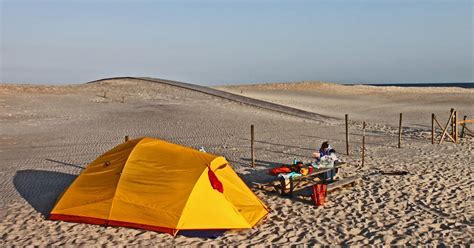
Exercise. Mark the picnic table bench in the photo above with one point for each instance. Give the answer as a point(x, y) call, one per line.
point(331, 186)
point(296, 184)
point(343, 182)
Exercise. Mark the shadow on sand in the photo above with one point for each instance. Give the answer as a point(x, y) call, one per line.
point(41, 188)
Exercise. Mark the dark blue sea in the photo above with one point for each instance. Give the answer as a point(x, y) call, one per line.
point(461, 85)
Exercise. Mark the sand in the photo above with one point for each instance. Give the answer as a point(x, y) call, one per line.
point(49, 133)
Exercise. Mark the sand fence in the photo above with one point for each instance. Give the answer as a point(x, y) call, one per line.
point(453, 124)
point(449, 130)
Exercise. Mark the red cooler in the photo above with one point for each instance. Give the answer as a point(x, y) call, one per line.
point(319, 194)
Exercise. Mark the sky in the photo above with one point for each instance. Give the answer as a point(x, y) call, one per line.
point(232, 42)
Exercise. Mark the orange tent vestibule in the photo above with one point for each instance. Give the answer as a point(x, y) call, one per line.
point(152, 184)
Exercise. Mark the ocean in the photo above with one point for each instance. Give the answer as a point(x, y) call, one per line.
point(460, 85)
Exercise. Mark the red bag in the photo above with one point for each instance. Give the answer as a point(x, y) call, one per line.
point(319, 194)
point(283, 169)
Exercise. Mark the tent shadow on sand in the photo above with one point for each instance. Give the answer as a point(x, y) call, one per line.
point(41, 188)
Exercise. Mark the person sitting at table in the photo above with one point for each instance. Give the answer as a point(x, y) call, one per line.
point(325, 150)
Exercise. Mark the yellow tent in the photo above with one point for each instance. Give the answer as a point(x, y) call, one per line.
point(152, 184)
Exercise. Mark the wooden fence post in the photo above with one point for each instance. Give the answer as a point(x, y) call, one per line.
point(463, 125)
point(347, 134)
point(400, 132)
point(445, 130)
point(455, 123)
point(432, 128)
point(252, 146)
point(363, 144)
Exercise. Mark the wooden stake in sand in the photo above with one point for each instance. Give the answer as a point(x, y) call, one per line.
point(432, 128)
point(126, 138)
point(463, 126)
point(363, 143)
point(400, 132)
point(252, 147)
point(441, 127)
point(445, 130)
point(455, 123)
point(347, 134)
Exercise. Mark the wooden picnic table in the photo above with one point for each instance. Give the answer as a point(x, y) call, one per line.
point(300, 184)
point(295, 182)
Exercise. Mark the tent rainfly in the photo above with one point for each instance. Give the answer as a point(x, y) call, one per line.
point(155, 185)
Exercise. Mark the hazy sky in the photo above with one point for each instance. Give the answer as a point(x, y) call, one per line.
point(219, 42)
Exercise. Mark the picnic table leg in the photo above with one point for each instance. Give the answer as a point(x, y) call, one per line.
point(282, 186)
point(291, 187)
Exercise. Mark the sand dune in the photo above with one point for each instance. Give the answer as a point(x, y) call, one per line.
point(49, 133)
point(365, 103)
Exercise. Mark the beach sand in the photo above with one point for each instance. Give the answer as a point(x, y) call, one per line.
point(49, 133)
